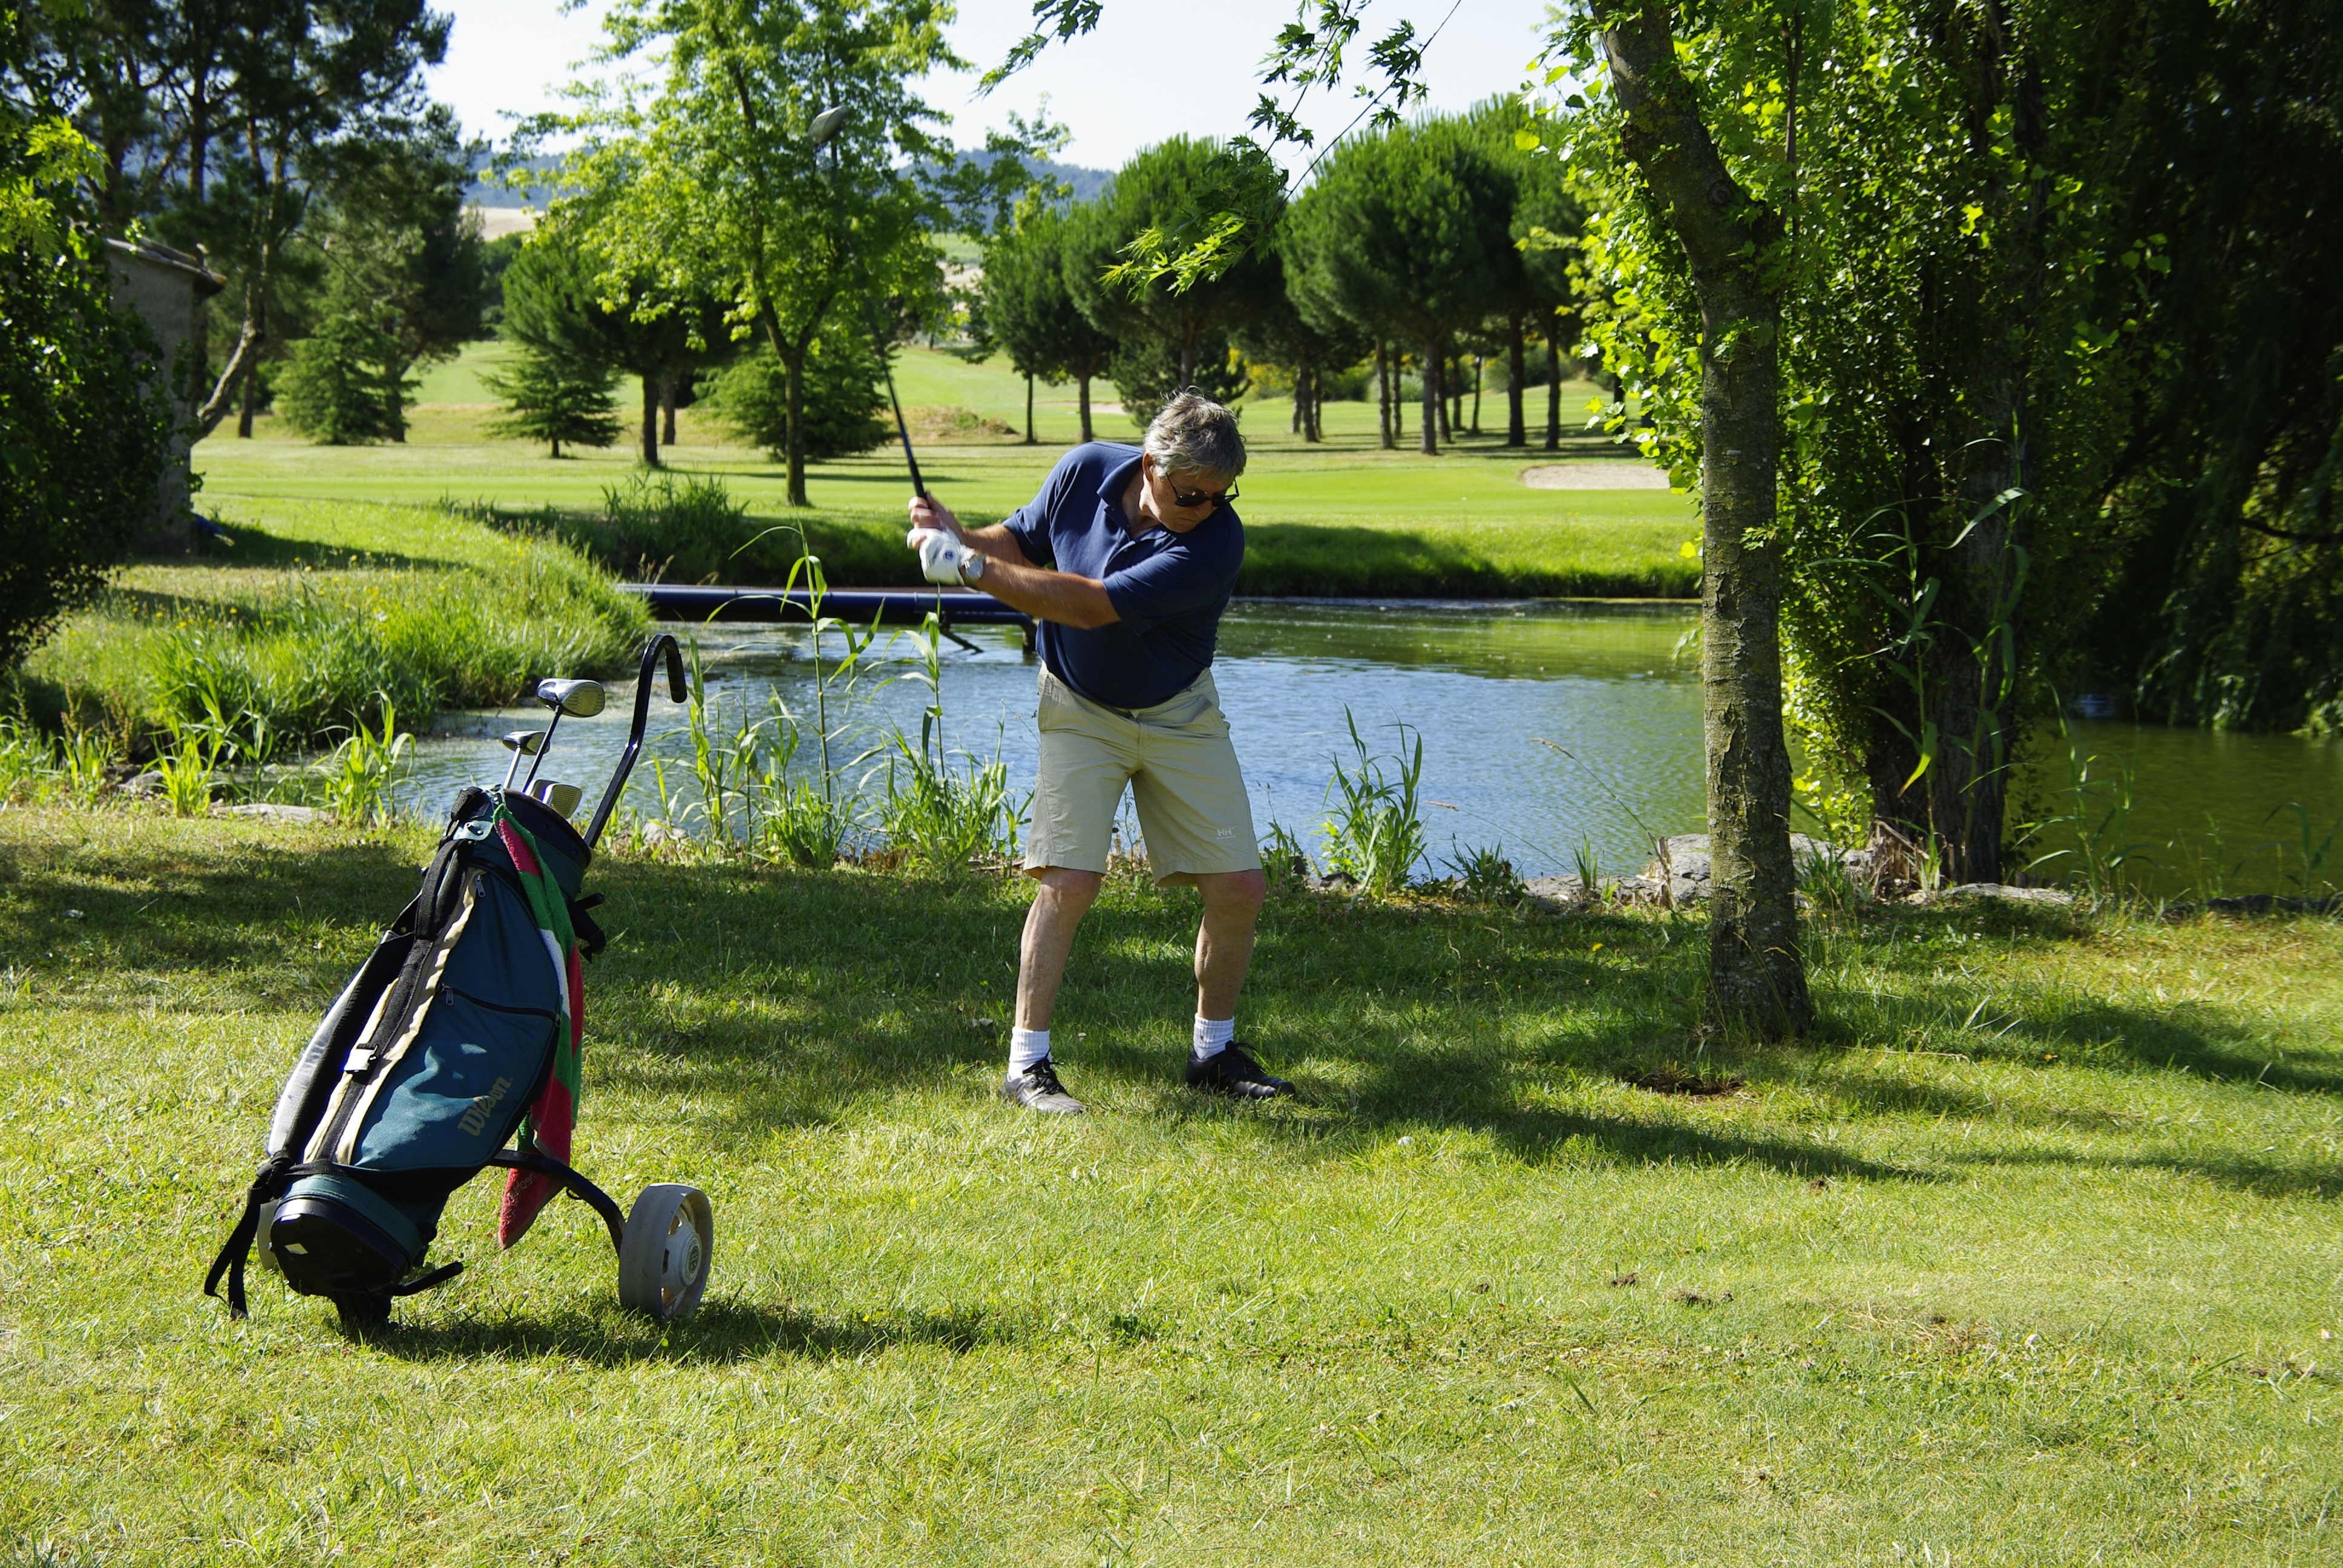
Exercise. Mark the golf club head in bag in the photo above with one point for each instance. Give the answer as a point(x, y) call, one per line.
point(568, 700)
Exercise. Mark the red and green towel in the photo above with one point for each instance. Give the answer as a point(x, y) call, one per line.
point(553, 1116)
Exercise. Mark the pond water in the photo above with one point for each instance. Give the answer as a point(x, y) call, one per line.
point(1546, 727)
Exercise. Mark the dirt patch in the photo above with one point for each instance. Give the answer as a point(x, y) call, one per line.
point(1676, 1080)
point(1595, 474)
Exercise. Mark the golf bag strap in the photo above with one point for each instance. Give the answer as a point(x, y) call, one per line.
point(238, 1250)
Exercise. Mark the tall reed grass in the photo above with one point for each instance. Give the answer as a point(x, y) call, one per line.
point(1375, 830)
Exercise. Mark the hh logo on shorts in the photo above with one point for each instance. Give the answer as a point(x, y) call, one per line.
point(1226, 833)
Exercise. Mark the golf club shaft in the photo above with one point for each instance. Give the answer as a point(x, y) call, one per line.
point(511, 768)
point(543, 746)
point(918, 485)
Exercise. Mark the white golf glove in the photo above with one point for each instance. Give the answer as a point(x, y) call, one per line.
point(943, 558)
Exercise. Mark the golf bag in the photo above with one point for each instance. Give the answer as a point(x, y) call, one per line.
point(460, 1024)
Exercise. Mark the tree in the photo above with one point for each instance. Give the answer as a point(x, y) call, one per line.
point(836, 398)
point(344, 385)
point(404, 285)
point(1405, 235)
point(714, 185)
point(1729, 241)
point(1027, 309)
point(84, 429)
point(553, 398)
point(213, 119)
point(1169, 336)
point(1282, 333)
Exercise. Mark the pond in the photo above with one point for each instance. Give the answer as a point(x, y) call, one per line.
point(1547, 728)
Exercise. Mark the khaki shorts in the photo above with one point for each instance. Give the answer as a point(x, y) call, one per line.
point(1182, 770)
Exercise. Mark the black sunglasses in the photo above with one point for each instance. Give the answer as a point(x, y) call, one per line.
point(1186, 498)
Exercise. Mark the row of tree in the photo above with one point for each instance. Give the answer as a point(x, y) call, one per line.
point(1420, 243)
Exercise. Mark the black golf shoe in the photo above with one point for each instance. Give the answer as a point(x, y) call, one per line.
point(1232, 1071)
point(1037, 1088)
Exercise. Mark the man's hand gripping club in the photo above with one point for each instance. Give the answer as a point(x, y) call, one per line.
point(950, 553)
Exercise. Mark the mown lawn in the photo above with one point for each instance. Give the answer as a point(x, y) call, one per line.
point(2031, 1258)
point(1340, 517)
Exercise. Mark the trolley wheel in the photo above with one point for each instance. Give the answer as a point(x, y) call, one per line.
point(666, 1253)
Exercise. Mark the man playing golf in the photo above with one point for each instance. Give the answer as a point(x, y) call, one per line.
point(1127, 557)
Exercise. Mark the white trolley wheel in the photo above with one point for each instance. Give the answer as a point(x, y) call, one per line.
point(668, 1246)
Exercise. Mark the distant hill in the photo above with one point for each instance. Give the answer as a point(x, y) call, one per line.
point(487, 190)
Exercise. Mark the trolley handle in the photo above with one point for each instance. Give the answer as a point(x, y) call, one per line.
point(663, 642)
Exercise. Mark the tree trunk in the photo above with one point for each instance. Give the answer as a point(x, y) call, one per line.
point(1315, 430)
point(650, 422)
point(250, 404)
point(1436, 383)
point(791, 354)
point(1187, 360)
point(1552, 385)
point(1480, 367)
point(666, 408)
point(1384, 396)
point(1028, 410)
point(1516, 371)
point(1084, 396)
point(1757, 973)
point(256, 316)
point(1434, 407)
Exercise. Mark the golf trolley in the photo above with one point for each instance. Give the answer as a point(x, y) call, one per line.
point(455, 1048)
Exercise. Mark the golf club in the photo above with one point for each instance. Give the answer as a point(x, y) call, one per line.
point(521, 743)
point(562, 798)
point(824, 130)
point(576, 698)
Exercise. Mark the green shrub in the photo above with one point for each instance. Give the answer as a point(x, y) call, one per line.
point(843, 411)
point(686, 531)
point(84, 437)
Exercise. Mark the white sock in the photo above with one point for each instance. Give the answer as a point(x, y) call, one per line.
point(1026, 1047)
point(1213, 1036)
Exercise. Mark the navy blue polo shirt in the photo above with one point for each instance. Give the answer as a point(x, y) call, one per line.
point(1169, 589)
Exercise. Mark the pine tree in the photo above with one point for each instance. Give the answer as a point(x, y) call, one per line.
point(345, 386)
point(554, 398)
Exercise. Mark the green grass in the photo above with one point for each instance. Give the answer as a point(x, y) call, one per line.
point(2028, 1259)
point(321, 606)
point(1343, 517)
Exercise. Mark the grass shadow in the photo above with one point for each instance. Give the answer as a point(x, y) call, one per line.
point(723, 1331)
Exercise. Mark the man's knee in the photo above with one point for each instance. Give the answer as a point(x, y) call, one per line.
point(1069, 889)
point(1239, 893)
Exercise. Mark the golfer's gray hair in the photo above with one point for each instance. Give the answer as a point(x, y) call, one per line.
point(1194, 435)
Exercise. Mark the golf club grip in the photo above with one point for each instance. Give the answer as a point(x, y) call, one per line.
point(645, 679)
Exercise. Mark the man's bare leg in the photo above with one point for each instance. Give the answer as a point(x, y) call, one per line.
point(1224, 954)
point(1061, 898)
point(1232, 902)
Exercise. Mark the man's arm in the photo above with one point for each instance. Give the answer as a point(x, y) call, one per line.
point(1008, 577)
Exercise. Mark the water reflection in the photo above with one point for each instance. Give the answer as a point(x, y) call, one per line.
point(1545, 728)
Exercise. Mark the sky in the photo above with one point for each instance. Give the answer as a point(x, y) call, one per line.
point(1153, 68)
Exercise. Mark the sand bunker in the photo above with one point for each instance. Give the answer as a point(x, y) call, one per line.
point(1595, 474)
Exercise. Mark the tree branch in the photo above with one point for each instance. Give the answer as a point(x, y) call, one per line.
point(215, 406)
